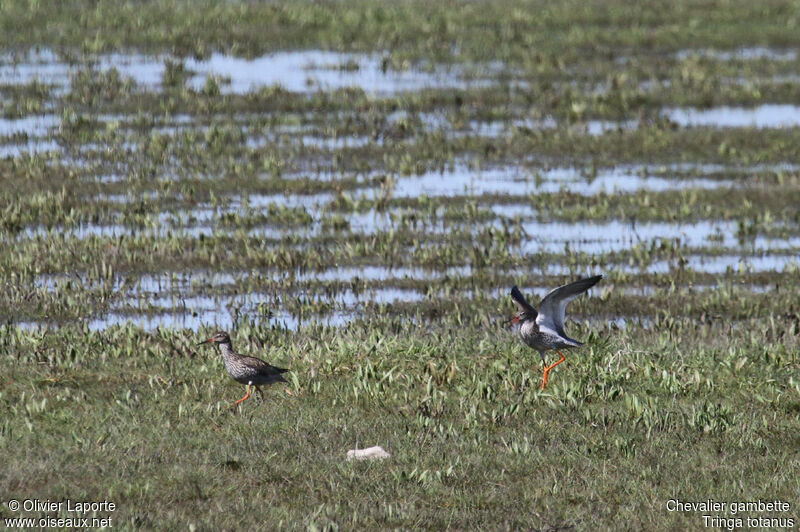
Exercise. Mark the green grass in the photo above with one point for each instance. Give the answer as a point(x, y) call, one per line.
point(640, 416)
point(151, 206)
point(529, 31)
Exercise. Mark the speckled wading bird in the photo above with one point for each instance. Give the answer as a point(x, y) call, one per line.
point(249, 371)
point(544, 330)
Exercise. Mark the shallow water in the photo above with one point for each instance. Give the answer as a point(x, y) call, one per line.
point(616, 235)
point(304, 71)
point(207, 320)
point(33, 126)
point(542, 235)
point(196, 312)
point(295, 71)
point(206, 299)
point(762, 117)
point(30, 148)
point(463, 180)
point(754, 53)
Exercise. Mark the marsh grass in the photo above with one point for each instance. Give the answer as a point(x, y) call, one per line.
point(641, 415)
point(281, 211)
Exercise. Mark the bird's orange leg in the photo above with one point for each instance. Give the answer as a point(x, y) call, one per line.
point(258, 389)
point(243, 398)
point(548, 368)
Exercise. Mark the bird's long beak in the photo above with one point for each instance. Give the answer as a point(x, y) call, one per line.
point(511, 321)
point(205, 342)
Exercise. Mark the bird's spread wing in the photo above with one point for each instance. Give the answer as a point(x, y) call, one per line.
point(263, 367)
point(554, 304)
point(521, 303)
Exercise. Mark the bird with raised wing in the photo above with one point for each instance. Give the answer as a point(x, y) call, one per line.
point(246, 370)
point(543, 330)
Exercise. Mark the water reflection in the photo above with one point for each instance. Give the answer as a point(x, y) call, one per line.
point(762, 117)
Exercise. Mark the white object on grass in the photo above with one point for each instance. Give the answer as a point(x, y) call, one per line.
point(369, 453)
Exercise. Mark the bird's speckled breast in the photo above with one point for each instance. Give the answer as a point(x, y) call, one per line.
point(235, 368)
point(535, 338)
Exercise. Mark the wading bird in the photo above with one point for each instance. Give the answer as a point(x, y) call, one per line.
point(544, 330)
point(249, 371)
